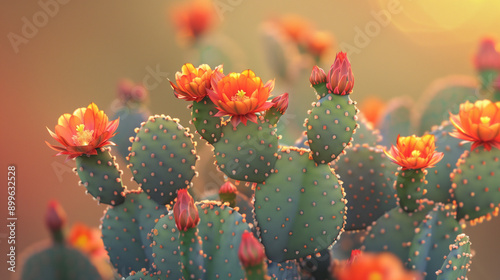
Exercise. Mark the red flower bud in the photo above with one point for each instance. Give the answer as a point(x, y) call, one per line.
point(280, 102)
point(251, 251)
point(55, 217)
point(487, 57)
point(340, 79)
point(228, 188)
point(318, 76)
point(185, 212)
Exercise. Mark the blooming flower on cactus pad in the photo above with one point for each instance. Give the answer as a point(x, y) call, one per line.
point(185, 212)
point(86, 239)
point(82, 132)
point(192, 82)
point(414, 152)
point(478, 123)
point(240, 95)
point(340, 79)
point(370, 266)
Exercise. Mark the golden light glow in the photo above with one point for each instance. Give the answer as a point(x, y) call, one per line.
point(433, 22)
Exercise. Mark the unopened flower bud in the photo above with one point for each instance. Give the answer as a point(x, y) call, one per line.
point(185, 212)
point(251, 251)
point(318, 76)
point(340, 79)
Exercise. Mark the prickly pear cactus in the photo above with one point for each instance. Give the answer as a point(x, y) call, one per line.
point(289, 219)
point(330, 126)
point(367, 175)
point(125, 228)
point(475, 184)
point(162, 158)
point(457, 262)
point(438, 178)
point(432, 239)
point(394, 231)
point(247, 153)
point(101, 176)
point(220, 230)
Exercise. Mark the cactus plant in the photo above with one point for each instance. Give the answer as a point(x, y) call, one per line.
point(307, 204)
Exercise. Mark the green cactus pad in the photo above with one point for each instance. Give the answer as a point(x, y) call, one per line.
point(367, 176)
point(396, 120)
point(457, 263)
point(162, 158)
point(410, 188)
point(165, 245)
point(59, 262)
point(394, 231)
point(192, 263)
point(125, 230)
point(144, 275)
point(208, 126)
point(101, 176)
point(300, 209)
point(130, 118)
point(243, 205)
point(220, 230)
point(475, 184)
point(288, 270)
point(438, 178)
point(441, 98)
point(330, 126)
point(247, 152)
point(432, 239)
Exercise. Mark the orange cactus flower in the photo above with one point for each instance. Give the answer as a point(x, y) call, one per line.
point(82, 132)
point(478, 123)
point(193, 18)
point(86, 239)
point(192, 82)
point(370, 266)
point(319, 42)
point(240, 95)
point(295, 27)
point(415, 152)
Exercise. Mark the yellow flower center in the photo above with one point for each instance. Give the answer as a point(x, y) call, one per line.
point(240, 96)
point(83, 136)
point(415, 153)
point(81, 241)
point(485, 120)
point(375, 276)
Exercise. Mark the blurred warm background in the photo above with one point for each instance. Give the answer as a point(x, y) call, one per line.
point(80, 50)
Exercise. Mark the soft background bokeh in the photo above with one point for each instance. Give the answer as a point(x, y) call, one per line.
point(87, 46)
